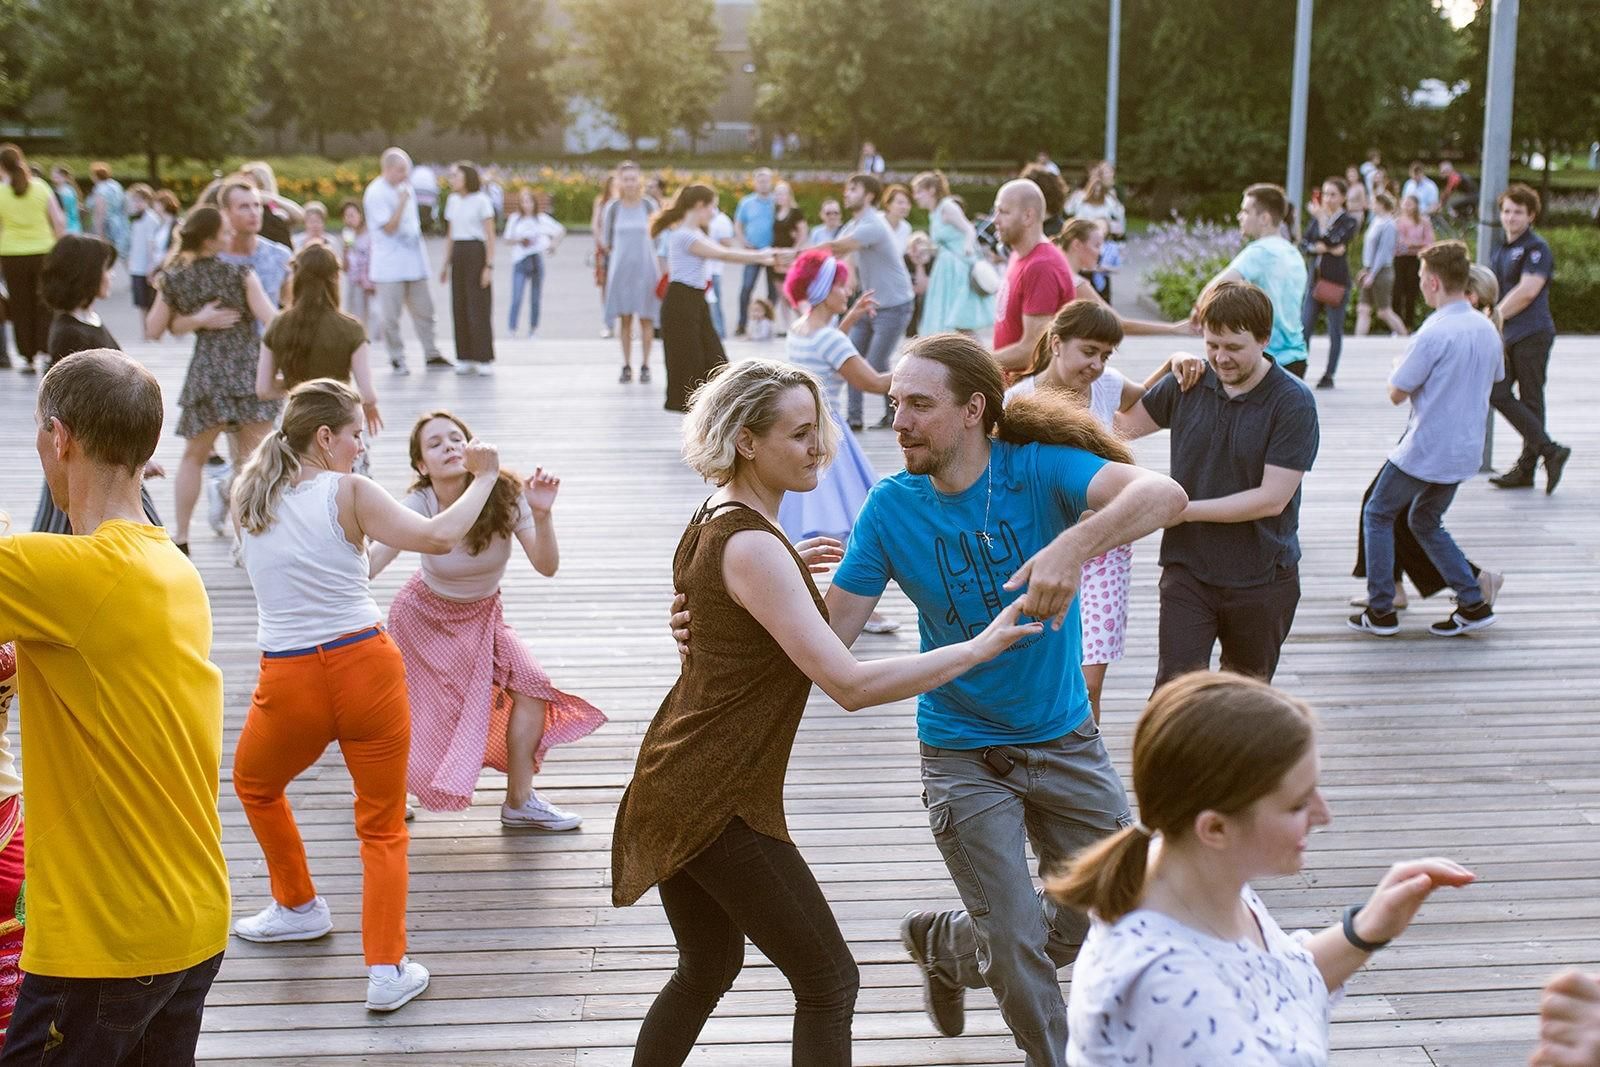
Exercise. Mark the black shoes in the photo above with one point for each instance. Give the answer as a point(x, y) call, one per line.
point(436, 360)
point(1515, 478)
point(1324, 383)
point(945, 1003)
point(626, 375)
point(644, 375)
point(1464, 621)
point(1555, 461)
point(1384, 624)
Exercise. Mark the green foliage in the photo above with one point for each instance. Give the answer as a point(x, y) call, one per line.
point(515, 98)
point(652, 67)
point(156, 77)
point(1575, 291)
point(19, 53)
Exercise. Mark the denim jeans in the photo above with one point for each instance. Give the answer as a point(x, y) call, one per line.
point(1061, 796)
point(527, 274)
point(878, 337)
point(1424, 505)
point(753, 273)
point(1311, 311)
point(746, 884)
point(105, 1022)
point(717, 319)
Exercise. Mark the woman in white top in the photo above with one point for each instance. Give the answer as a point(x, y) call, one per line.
point(478, 697)
point(688, 336)
point(897, 214)
point(469, 256)
point(532, 235)
point(1183, 967)
point(1097, 201)
point(1083, 240)
point(329, 672)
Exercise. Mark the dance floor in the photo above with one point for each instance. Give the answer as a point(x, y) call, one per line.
point(1484, 749)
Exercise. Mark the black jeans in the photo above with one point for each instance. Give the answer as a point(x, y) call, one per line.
point(1527, 363)
point(152, 1021)
point(30, 319)
point(1251, 623)
point(747, 884)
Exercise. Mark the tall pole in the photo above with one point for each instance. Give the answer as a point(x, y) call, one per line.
point(1496, 146)
point(1113, 78)
point(1300, 89)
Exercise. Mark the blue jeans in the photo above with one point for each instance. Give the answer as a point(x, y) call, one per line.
point(527, 274)
point(878, 337)
point(1311, 311)
point(1061, 796)
point(1424, 505)
point(87, 1022)
point(717, 320)
point(753, 273)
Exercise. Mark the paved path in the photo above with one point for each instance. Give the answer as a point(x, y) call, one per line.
point(1482, 748)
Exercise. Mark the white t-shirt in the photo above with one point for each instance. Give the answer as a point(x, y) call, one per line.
point(399, 256)
point(540, 231)
point(1105, 395)
point(1151, 990)
point(720, 230)
point(466, 213)
point(425, 183)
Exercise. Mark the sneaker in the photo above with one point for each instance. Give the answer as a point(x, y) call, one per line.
point(392, 987)
point(27, 366)
point(944, 1001)
point(1385, 625)
point(605, 333)
point(437, 360)
point(1489, 583)
point(486, 370)
point(1554, 463)
point(1400, 601)
point(217, 484)
point(644, 375)
point(626, 375)
point(399, 367)
point(466, 370)
point(278, 923)
point(1515, 478)
point(856, 425)
point(1324, 383)
point(877, 624)
point(1464, 620)
point(539, 814)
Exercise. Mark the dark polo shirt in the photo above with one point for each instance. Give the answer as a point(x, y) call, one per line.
point(1221, 445)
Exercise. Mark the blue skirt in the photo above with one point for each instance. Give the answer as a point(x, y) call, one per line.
point(831, 508)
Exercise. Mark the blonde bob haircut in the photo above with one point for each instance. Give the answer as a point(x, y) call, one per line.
point(745, 396)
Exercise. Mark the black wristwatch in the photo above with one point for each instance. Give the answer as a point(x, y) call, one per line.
point(1354, 938)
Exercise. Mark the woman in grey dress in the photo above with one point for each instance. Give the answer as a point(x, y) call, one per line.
point(631, 272)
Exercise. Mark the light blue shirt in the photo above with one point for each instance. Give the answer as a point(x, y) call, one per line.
point(929, 543)
point(1450, 365)
point(1377, 248)
point(1276, 266)
point(755, 214)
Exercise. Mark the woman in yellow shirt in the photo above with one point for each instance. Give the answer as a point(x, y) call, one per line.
point(30, 223)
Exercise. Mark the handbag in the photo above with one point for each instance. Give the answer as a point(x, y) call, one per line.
point(983, 278)
point(661, 285)
point(1329, 294)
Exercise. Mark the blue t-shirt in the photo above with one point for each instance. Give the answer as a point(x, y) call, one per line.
point(756, 213)
point(1528, 254)
point(928, 542)
point(1274, 265)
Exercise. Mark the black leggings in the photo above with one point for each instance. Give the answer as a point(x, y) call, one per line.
point(747, 884)
point(30, 320)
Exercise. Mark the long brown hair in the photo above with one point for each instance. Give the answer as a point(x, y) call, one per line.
point(499, 516)
point(688, 198)
point(316, 299)
point(1206, 742)
point(1087, 320)
point(15, 164)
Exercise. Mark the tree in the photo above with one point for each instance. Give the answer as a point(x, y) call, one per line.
point(19, 29)
point(156, 77)
point(515, 97)
point(652, 67)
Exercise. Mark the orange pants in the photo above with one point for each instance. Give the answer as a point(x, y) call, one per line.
point(355, 695)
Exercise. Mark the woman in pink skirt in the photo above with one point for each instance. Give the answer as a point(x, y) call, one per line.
point(478, 697)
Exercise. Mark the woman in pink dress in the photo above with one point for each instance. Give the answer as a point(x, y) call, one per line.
point(478, 697)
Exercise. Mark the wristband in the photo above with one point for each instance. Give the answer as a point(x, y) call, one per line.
point(1354, 938)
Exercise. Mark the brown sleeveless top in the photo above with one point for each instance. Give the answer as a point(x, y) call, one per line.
point(719, 745)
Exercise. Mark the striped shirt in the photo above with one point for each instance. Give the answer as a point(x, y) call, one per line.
point(823, 353)
point(683, 265)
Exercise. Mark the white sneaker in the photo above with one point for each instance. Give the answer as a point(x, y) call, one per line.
point(219, 480)
point(539, 814)
point(389, 988)
point(465, 369)
point(486, 370)
point(278, 923)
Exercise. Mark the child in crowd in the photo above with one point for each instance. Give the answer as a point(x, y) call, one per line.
point(358, 286)
point(316, 229)
point(143, 222)
point(760, 319)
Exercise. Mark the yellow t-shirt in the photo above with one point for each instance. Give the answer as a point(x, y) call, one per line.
point(25, 220)
point(121, 714)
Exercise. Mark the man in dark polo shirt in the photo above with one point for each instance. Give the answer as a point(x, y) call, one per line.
point(1242, 439)
point(1524, 265)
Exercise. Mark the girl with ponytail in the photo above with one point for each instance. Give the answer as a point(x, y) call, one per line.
point(329, 671)
point(1183, 964)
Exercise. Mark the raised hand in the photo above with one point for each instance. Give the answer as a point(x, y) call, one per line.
point(482, 458)
point(540, 491)
point(1400, 893)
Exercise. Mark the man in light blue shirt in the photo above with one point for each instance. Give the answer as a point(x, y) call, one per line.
point(1449, 369)
point(1424, 188)
point(753, 221)
point(1271, 262)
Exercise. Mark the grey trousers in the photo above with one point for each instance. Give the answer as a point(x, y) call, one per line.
point(1061, 796)
point(416, 298)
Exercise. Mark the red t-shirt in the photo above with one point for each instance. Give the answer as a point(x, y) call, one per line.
point(1039, 283)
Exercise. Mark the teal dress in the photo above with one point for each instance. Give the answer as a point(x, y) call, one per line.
point(68, 195)
point(951, 302)
point(110, 193)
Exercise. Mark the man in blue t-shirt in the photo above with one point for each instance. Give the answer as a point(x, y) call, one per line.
point(753, 221)
point(1271, 263)
point(1010, 752)
point(1524, 265)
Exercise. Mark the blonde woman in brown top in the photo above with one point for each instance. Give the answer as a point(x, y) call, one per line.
point(703, 817)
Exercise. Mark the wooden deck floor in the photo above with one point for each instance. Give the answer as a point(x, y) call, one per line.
point(1483, 749)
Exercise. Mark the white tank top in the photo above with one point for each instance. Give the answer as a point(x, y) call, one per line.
point(310, 581)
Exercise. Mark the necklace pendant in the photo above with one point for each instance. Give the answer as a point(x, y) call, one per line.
point(987, 538)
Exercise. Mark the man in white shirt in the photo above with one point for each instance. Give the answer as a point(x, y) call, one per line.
point(871, 159)
point(721, 231)
point(1423, 188)
point(399, 266)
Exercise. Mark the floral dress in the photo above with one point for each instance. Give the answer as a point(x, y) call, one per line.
point(220, 388)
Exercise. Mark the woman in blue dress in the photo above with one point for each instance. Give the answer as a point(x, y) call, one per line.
point(951, 302)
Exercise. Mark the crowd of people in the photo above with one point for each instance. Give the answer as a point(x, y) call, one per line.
point(1009, 529)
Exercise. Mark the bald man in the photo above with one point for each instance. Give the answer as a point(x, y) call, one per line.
point(399, 265)
point(1038, 277)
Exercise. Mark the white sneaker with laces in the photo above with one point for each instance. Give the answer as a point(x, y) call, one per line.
point(394, 986)
point(278, 923)
point(539, 814)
